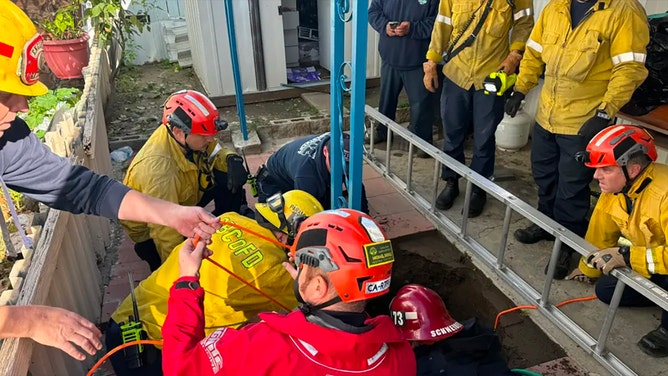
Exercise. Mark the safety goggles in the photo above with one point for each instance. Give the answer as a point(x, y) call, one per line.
point(32, 58)
point(276, 203)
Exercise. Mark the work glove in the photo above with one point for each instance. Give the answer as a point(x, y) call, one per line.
point(610, 258)
point(430, 76)
point(513, 103)
point(509, 65)
point(236, 172)
point(597, 123)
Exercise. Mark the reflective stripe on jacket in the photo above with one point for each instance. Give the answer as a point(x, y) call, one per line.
point(597, 65)
point(490, 48)
point(228, 302)
point(160, 169)
point(646, 227)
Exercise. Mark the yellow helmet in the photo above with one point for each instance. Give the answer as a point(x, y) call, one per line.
point(285, 212)
point(20, 52)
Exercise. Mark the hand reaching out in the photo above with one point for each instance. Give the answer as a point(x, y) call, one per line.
point(191, 256)
point(61, 329)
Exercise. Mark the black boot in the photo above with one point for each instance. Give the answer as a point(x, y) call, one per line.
point(532, 234)
point(563, 263)
point(447, 196)
point(478, 200)
point(655, 343)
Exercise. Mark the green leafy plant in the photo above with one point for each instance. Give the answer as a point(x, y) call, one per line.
point(108, 17)
point(65, 24)
point(43, 107)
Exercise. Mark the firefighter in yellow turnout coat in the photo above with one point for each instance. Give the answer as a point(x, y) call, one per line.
point(593, 55)
point(228, 302)
point(633, 205)
point(182, 163)
point(474, 38)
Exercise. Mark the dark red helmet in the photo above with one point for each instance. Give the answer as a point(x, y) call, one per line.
point(420, 315)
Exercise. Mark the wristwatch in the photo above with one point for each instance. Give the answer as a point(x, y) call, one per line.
point(191, 285)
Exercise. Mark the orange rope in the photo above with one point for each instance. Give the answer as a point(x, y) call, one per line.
point(248, 284)
point(583, 299)
point(119, 348)
point(558, 305)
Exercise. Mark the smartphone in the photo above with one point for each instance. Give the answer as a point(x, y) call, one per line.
point(394, 24)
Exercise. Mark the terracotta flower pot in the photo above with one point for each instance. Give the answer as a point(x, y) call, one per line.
point(66, 58)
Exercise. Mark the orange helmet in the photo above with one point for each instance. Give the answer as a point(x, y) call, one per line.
point(20, 53)
point(193, 112)
point(614, 145)
point(351, 248)
point(420, 315)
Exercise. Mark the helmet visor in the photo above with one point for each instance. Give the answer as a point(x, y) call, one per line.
point(31, 60)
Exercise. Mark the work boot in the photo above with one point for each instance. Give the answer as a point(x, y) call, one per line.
point(563, 263)
point(448, 195)
point(655, 343)
point(478, 200)
point(532, 234)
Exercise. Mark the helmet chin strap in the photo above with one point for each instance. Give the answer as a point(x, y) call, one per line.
point(184, 145)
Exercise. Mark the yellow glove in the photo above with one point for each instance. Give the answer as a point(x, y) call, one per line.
point(430, 76)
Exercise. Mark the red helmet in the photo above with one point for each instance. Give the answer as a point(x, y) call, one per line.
point(193, 112)
point(420, 315)
point(351, 248)
point(614, 145)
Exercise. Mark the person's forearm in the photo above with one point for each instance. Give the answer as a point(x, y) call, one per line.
point(139, 207)
point(15, 321)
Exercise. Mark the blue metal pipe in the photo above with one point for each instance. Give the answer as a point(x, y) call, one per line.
point(238, 90)
point(357, 102)
point(336, 103)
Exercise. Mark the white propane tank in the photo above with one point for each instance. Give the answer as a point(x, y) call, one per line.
point(513, 133)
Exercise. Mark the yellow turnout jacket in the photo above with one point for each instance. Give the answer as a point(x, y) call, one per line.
point(160, 169)
point(227, 301)
point(490, 48)
point(597, 65)
point(646, 227)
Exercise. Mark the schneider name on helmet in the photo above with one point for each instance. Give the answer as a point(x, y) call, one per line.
point(182, 162)
point(633, 205)
point(342, 259)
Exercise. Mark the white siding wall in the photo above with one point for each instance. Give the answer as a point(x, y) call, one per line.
point(151, 45)
point(210, 47)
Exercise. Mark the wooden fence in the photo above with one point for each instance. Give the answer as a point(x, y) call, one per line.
point(62, 270)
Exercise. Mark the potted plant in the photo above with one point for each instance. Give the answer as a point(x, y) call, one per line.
point(65, 42)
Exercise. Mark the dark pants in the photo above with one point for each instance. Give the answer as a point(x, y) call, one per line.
point(151, 359)
point(461, 109)
point(420, 99)
point(630, 297)
point(224, 201)
point(563, 182)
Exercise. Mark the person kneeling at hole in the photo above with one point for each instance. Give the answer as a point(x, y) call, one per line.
point(442, 345)
point(343, 259)
point(633, 205)
point(183, 163)
point(228, 302)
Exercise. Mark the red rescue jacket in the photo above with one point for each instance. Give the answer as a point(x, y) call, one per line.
point(278, 345)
